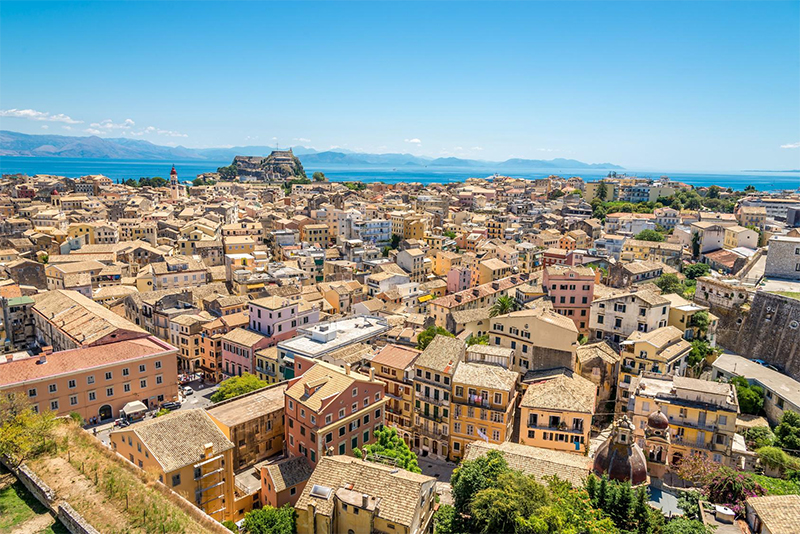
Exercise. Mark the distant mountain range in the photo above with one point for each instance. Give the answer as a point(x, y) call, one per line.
point(25, 145)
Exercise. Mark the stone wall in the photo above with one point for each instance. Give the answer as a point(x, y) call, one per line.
point(74, 521)
point(769, 331)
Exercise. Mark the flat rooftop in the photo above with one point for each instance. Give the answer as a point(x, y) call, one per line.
point(326, 337)
point(786, 387)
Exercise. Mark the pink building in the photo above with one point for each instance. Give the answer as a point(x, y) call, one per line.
point(571, 289)
point(278, 318)
point(331, 409)
point(239, 347)
point(458, 279)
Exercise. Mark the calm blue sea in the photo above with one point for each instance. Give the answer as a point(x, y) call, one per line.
point(188, 170)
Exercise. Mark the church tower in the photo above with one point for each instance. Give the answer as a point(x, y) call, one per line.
point(173, 183)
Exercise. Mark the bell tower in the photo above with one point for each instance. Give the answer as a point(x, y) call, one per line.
point(173, 182)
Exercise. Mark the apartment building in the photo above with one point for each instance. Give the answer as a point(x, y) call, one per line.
point(478, 297)
point(190, 454)
point(185, 332)
point(95, 381)
point(488, 271)
point(175, 272)
point(394, 365)
point(412, 261)
point(349, 495)
point(556, 410)
point(483, 402)
point(751, 216)
point(239, 347)
point(211, 333)
point(668, 253)
point(696, 416)
point(278, 318)
point(316, 234)
point(331, 411)
point(253, 423)
point(615, 317)
point(571, 290)
point(660, 351)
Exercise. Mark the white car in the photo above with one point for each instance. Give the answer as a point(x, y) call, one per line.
point(187, 390)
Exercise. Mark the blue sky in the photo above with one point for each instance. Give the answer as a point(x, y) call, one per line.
point(671, 86)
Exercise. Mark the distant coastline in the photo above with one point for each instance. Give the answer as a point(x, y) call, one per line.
point(187, 170)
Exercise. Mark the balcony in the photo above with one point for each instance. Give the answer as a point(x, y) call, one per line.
point(431, 400)
point(559, 428)
point(431, 417)
point(682, 421)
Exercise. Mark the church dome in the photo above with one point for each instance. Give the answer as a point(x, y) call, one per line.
point(620, 457)
point(658, 421)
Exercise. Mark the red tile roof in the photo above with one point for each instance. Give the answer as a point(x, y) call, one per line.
point(17, 372)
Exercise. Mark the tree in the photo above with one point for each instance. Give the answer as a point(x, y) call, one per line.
point(201, 180)
point(696, 270)
point(237, 385)
point(502, 306)
point(478, 340)
point(319, 177)
point(449, 233)
point(787, 433)
point(228, 173)
point(713, 191)
point(385, 252)
point(701, 321)
point(750, 189)
point(396, 240)
point(23, 432)
point(555, 193)
point(446, 520)
point(390, 448)
point(758, 437)
point(669, 283)
point(751, 397)
point(475, 475)
point(777, 459)
point(602, 190)
point(695, 245)
point(681, 525)
point(499, 508)
point(269, 520)
point(700, 351)
point(424, 339)
point(649, 235)
point(230, 525)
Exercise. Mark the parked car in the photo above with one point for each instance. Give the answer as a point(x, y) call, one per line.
point(187, 390)
point(121, 422)
point(171, 405)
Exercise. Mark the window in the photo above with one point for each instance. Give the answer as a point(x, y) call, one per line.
point(54, 405)
point(176, 480)
point(52, 388)
point(143, 383)
point(109, 392)
point(355, 392)
point(723, 420)
point(126, 387)
point(159, 379)
point(73, 400)
point(328, 419)
point(109, 375)
point(71, 384)
point(142, 368)
point(32, 392)
point(341, 448)
point(126, 371)
point(92, 396)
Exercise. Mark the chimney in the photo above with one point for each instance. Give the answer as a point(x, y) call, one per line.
point(364, 500)
point(347, 369)
point(371, 374)
point(47, 350)
point(42, 359)
point(208, 450)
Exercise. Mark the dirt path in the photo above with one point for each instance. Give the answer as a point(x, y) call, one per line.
point(34, 525)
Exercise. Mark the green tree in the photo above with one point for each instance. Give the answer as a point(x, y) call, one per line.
point(602, 190)
point(499, 508)
point(478, 340)
point(750, 189)
point(237, 385)
point(701, 321)
point(695, 245)
point(230, 525)
point(200, 180)
point(751, 397)
point(696, 270)
point(319, 177)
point(555, 193)
point(23, 432)
point(449, 233)
point(426, 336)
point(649, 235)
point(446, 520)
point(758, 437)
point(228, 173)
point(669, 283)
point(385, 252)
point(787, 433)
point(269, 520)
point(699, 352)
point(713, 191)
point(390, 448)
point(777, 459)
point(476, 475)
point(502, 306)
point(396, 240)
point(681, 525)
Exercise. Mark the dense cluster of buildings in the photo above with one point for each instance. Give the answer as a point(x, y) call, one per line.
point(111, 294)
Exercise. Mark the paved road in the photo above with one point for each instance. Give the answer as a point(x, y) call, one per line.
point(201, 398)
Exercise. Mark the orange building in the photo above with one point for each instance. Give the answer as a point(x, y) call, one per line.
point(95, 381)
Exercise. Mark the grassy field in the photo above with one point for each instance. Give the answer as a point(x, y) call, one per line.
point(790, 294)
point(19, 510)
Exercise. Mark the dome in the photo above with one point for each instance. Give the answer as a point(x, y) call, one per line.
point(55, 192)
point(624, 462)
point(658, 421)
point(173, 171)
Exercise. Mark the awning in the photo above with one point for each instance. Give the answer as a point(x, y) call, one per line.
point(134, 407)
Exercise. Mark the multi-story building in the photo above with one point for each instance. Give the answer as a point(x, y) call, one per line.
point(253, 422)
point(599, 363)
point(190, 454)
point(433, 388)
point(488, 271)
point(751, 216)
point(617, 316)
point(571, 290)
point(637, 249)
point(394, 365)
point(478, 297)
point(556, 410)
point(331, 410)
point(211, 343)
point(484, 397)
point(349, 495)
point(175, 272)
point(694, 416)
point(539, 337)
point(185, 332)
point(279, 318)
point(660, 351)
point(783, 257)
point(412, 261)
point(667, 217)
point(95, 381)
point(239, 347)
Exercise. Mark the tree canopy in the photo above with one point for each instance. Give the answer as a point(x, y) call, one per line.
point(23, 432)
point(503, 305)
point(669, 283)
point(649, 235)
point(787, 433)
point(389, 448)
point(426, 336)
point(270, 520)
point(751, 397)
point(237, 385)
point(696, 270)
point(319, 177)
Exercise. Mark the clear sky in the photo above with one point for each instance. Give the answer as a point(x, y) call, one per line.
point(671, 86)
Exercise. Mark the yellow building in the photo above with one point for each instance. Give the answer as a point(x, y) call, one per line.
point(637, 249)
point(190, 455)
point(681, 312)
point(239, 244)
point(267, 365)
point(414, 228)
point(699, 416)
point(483, 403)
point(444, 262)
point(316, 234)
point(752, 216)
point(393, 365)
point(662, 351)
point(491, 270)
point(347, 495)
point(556, 411)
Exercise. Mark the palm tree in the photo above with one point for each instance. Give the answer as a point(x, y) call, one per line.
point(502, 306)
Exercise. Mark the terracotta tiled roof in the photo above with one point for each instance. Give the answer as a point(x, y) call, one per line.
point(778, 513)
point(567, 392)
point(249, 406)
point(288, 472)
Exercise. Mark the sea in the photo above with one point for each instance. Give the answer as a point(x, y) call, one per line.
point(117, 169)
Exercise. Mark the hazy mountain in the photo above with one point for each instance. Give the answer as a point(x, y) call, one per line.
point(19, 144)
